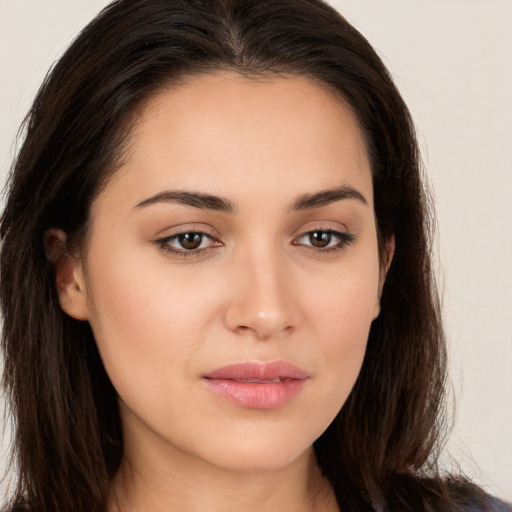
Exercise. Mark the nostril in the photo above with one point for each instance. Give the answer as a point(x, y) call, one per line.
point(251, 317)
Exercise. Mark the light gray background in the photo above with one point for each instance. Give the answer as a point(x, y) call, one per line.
point(452, 61)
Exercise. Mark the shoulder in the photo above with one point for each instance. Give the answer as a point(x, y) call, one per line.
point(468, 497)
point(449, 494)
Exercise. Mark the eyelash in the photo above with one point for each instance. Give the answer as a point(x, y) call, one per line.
point(344, 240)
point(163, 244)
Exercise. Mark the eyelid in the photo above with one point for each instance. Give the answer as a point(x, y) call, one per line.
point(163, 241)
point(193, 227)
point(344, 237)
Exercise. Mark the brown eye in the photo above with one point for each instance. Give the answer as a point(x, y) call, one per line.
point(320, 238)
point(325, 240)
point(190, 241)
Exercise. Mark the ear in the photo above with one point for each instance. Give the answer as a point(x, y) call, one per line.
point(387, 258)
point(69, 276)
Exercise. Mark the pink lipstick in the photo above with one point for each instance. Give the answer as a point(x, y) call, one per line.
point(257, 385)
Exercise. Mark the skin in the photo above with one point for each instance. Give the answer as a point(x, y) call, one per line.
point(257, 289)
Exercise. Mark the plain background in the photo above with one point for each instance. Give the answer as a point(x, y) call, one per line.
point(451, 59)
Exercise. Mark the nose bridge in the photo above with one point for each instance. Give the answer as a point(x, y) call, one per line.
point(261, 304)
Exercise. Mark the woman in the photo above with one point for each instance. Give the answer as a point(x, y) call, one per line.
point(217, 224)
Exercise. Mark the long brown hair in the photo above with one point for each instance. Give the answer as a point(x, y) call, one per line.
point(380, 452)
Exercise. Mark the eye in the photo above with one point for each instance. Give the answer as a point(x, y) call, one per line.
point(326, 239)
point(187, 243)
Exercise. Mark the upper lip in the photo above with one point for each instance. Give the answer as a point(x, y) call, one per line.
point(252, 370)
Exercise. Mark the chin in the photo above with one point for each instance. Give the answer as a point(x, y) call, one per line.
point(255, 452)
point(260, 460)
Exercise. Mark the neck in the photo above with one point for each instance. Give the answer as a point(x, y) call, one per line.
point(156, 486)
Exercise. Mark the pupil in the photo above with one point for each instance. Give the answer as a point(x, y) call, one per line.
point(320, 238)
point(190, 240)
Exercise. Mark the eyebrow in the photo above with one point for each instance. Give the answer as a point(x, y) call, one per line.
point(326, 197)
point(219, 204)
point(195, 199)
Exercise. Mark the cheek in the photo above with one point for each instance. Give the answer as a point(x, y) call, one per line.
point(341, 300)
point(148, 325)
point(341, 315)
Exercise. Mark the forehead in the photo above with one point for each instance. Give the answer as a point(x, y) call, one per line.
point(225, 131)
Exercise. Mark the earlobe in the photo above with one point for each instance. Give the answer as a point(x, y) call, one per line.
point(69, 278)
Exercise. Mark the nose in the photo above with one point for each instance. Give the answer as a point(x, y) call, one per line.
point(261, 303)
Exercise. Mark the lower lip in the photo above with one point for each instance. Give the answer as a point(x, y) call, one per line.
point(257, 395)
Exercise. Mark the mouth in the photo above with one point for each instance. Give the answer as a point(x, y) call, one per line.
point(256, 385)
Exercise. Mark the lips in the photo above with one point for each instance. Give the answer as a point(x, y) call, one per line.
point(256, 385)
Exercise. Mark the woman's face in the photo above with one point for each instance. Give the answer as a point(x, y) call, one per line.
point(231, 271)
